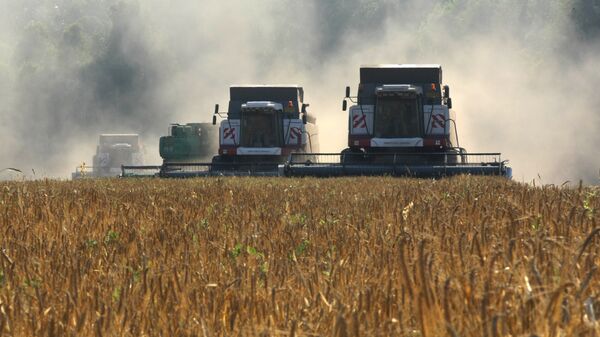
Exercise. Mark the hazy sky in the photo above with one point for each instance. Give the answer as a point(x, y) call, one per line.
point(523, 83)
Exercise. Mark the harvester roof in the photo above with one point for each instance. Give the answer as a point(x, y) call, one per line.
point(282, 94)
point(401, 73)
point(108, 140)
point(420, 75)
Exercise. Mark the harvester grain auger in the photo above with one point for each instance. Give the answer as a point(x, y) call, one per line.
point(401, 125)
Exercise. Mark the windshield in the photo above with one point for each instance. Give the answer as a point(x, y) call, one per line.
point(396, 118)
point(259, 129)
point(120, 157)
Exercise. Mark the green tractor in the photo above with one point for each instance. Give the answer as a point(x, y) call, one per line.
point(189, 143)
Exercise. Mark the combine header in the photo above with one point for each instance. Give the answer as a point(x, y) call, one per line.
point(401, 124)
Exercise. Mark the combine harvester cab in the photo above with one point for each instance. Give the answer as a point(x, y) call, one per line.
point(401, 125)
point(263, 126)
point(113, 151)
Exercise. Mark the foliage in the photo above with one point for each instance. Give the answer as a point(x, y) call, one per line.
point(586, 17)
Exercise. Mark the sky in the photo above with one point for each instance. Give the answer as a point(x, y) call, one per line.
point(522, 77)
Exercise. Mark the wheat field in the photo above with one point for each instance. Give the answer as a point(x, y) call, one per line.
point(465, 256)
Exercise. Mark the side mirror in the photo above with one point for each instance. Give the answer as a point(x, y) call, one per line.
point(304, 106)
point(304, 118)
point(347, 92)
point(216, 109)
point(214, 119)
point(449, 102)
point(344, 105)
point(446, 91)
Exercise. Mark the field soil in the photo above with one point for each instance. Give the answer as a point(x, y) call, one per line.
point(465, 256)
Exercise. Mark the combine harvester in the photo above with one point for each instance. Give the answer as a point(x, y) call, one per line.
point(113, 151)
point(184, 144)
point(401, 125)
point(190, 143)
point(263, 126)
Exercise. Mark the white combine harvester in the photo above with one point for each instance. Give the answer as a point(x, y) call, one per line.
point(401, 124)
point(113, 151)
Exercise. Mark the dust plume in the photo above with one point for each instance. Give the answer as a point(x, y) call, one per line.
point(522, 73)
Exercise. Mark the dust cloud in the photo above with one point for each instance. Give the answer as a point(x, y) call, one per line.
point(523, 74)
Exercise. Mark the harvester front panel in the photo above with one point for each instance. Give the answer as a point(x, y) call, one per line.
point(260, 140)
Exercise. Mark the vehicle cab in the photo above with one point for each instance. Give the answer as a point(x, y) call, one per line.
point(266, 122)
point(401, 108)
